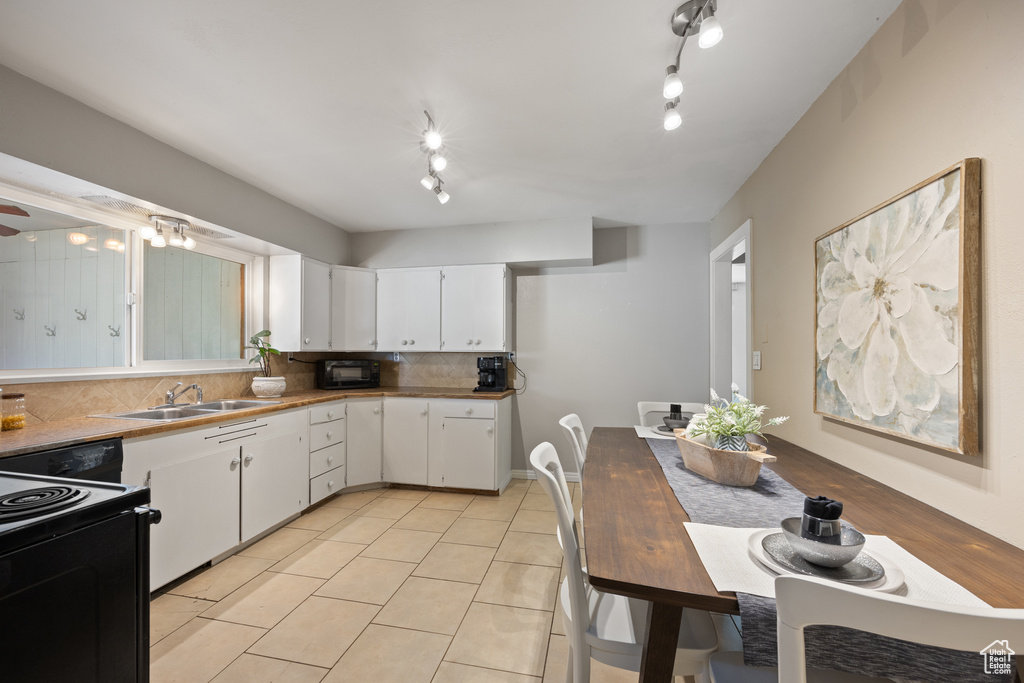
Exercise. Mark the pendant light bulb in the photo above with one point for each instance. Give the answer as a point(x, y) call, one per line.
point(710, 32)
point(428, 181)
point(432, 138)
point(442, 196)
point(189, 244)
point(437, 161)
point(673, 87)
point(147, 232)
point(158, 240)
point(673, 119)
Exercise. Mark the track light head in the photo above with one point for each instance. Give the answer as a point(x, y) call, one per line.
point(673, 87)
point(442, 196)
point(147, 232)
point(673, 119)
point(437, 160)
point(428, 180)
point(710, 31)
point(158, 240)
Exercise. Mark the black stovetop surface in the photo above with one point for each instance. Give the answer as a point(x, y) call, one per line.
point(34, 507)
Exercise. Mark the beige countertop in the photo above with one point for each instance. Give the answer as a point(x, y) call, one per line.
point(47, 435)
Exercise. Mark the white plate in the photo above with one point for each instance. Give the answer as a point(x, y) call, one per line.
point(892, 582)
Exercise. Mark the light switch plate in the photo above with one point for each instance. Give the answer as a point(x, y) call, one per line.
point(757, 360)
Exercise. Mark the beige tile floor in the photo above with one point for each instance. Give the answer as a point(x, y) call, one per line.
point(380, 586)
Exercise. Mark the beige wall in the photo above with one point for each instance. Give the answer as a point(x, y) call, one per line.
point(940, 81)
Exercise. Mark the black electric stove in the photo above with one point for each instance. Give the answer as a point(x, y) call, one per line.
point(74, 579)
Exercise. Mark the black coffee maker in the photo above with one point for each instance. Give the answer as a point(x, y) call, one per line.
point(493, 372)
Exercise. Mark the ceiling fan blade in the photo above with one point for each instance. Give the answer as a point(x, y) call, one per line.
point(6, 231)
point(13, 210)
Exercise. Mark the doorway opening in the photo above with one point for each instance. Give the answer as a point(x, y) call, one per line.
point(731, 314)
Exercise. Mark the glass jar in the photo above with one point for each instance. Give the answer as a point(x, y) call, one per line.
point(13, 413)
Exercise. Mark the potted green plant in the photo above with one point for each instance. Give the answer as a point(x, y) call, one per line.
point(726, 424)
point(264, 384)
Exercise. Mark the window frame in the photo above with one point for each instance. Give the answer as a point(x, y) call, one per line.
point(135, 365)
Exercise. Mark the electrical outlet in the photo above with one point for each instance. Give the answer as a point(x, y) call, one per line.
point(512, 356)
point(397, 357)
point(290, 357)
point(757, 360)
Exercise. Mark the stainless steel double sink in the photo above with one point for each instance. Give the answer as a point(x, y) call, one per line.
point(184, 412)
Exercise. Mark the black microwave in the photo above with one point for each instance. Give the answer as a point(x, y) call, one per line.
point(347, 374)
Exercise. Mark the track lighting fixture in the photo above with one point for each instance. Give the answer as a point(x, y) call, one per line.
point(693, 16)
point(176, 236)
point(436, 160)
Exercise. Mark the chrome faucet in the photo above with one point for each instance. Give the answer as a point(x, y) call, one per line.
point(172, 395)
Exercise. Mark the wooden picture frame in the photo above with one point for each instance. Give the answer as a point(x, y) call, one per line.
point(897, 304)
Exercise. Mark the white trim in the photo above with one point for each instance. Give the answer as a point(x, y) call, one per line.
point(723, 250)
point(80, 374)
point(530, 474)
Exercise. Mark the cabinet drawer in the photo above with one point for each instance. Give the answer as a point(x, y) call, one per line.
point(326, 459)
point(471, 409)
point(326, 434)
point(326, 412)
point(326, 484)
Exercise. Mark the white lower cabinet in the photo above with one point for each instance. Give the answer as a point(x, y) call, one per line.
point(470, 444)
point(218, 486)
point(365, 419)
point(406, 429)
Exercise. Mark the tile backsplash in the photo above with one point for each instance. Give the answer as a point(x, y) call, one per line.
point(48, 401)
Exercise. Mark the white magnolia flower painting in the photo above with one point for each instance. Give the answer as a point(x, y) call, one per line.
point(890, 316)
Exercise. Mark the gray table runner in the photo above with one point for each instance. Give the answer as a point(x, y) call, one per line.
point(765, 504)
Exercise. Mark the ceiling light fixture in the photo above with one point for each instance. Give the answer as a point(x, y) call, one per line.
point(693, 16)
point(436, 160)
point(176, 236)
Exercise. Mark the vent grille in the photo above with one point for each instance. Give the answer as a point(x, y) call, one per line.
point(132, 209)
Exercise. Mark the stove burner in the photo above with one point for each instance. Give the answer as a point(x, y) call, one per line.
point(40, 501)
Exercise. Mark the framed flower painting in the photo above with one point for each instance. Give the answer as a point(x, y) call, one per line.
point(896, 327)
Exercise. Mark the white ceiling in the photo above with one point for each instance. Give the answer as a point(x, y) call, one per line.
point(549, 108)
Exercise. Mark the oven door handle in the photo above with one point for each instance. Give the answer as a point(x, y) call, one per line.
point(152, 514)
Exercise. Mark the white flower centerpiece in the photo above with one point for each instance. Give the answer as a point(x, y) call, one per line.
point(726, 424)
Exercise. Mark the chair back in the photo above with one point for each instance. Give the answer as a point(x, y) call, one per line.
point(806, 601)
point(577, 437)
point(545, 463)
point(651, 412)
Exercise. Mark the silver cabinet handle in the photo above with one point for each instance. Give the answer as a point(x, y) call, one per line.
point(330, 434)
point(423, 412)
point(235, 462)
point(404, 342)
point(330, 414)
point(307, 340)
point(469, 342)
point(371, 342)
point(478, 342)
point(411, 342)
point(248, 459)
point(469, 411)
point(330, 484)
point(376, 411)
point(330, 459)
point(490, 430)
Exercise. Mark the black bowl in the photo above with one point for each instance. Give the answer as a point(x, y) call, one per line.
point(677, 424)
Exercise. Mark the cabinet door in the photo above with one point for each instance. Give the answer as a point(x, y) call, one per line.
point(275, 482)
point(353, 310)
point(468, 451)
point(316, 306)
point(365, 441)
point(409, 309)
point(405, 440)
point(199, 502)
point(473, 304)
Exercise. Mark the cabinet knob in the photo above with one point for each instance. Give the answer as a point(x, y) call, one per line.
point(330, 484)
point(307, 340)
point(330, 414)
point(235, 462)
point(490, 430)
point(376, 411)
point(478, 342)
point(469, 342)
point(404, 342)
point(423, 412)
point(330, 434)
point(371, 342)
point(469, 411)
point(411, 342)
point(248, 459)
point(330, 459)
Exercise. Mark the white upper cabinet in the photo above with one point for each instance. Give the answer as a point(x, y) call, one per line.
point(409, 309)
point(475, 308)
point(300, 304)
point(353, 309)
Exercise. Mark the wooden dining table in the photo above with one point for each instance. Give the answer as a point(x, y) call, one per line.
point(636, 544)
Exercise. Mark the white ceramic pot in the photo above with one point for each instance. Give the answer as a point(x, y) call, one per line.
point(268, 387)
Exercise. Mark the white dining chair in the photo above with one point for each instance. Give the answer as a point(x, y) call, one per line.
point(652, 412)
point(577, 437)
point(806, 601)
point(609, 627)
